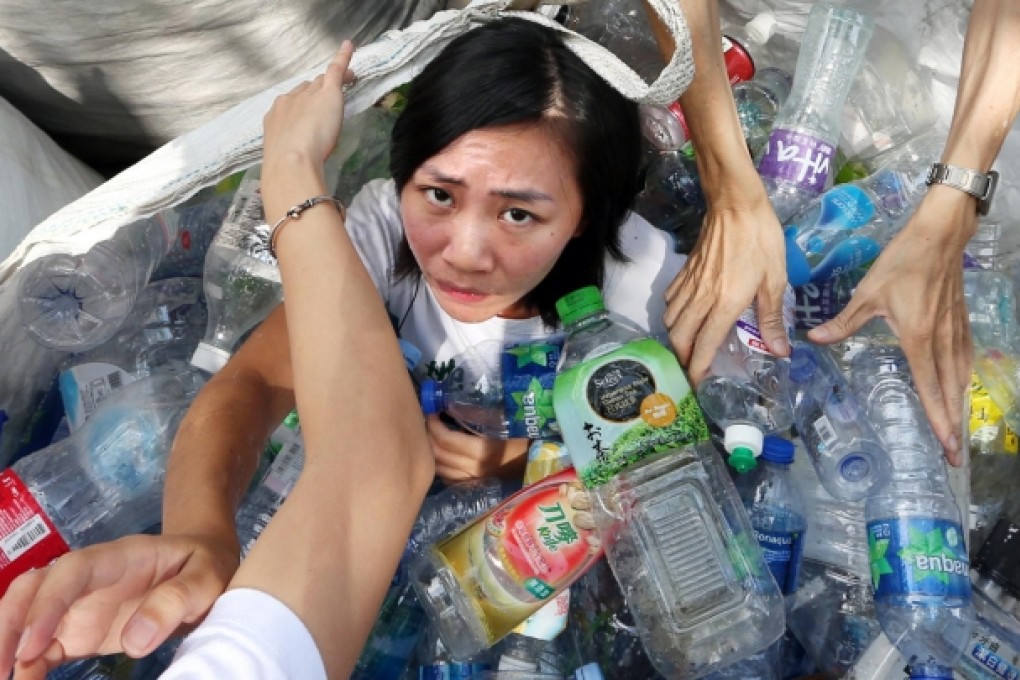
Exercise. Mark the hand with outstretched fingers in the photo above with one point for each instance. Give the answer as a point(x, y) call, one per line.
point(916, 285)
point(127, 595)
point(740, 257)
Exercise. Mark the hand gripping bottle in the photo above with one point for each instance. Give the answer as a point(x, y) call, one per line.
point(993, 651)
point(848, 225)
point(919, 563)
point(103, 482)
point(500, 390)
point(796, 162)
point(745, 391)
point(674, 531)
point(833, 425)
point(480, 582)
point(241, 279)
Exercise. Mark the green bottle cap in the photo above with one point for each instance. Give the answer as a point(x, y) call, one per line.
point(742, 459)
point(579, 304)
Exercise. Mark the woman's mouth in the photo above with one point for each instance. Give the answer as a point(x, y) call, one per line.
point(461, 293)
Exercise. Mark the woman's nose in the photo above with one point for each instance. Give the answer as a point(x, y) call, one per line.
point(469, 247)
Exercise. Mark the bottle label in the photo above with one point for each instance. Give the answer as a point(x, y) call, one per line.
point(451, 671)
point(28, 538)
point(918, 556)
point(818, 303)
point(782, 551)
point(528, 370)
point(748, 331)
point(797, 158)
point(826, 432)
point(244, 228)
point(286, 468)
point(84, 387)
point(525, 551)
point(991, 655)
point(623, 406)
point(853, 252)
point(986, 418)
point(839, 212)
point(739, 65)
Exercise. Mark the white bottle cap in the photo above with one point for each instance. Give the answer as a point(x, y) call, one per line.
point(208, 358)
point(761, 28)
point(744, 436)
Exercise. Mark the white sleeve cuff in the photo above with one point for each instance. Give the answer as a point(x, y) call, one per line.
point(248, 634)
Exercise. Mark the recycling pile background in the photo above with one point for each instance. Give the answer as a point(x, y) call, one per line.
point(923, 40)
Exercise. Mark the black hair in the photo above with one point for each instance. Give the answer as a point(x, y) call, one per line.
point(512, 72)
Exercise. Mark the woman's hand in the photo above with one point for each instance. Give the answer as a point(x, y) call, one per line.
point(916, 285)
point(463, 455)
point(740, 255)
point(305, 123)
point(128, 595)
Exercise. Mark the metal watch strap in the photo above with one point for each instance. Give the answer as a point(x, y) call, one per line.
point(980, 185)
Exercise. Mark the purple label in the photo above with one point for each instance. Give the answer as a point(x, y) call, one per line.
point(818, 303)
point(797, 158)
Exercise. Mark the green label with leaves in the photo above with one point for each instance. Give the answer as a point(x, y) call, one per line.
point(528, 370)
point(918, 556)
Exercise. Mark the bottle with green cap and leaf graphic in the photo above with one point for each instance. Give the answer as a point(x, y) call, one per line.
point(499, 389)
point(664, 507)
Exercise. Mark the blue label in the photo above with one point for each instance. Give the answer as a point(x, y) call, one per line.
point(989, 660)
point(801, 159)
point(782, 551)
point(451, 671)
point(528, 372)
point(848, 255)
point(844, 208)
point(918, 556)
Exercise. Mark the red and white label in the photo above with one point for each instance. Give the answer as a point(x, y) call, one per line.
point(28, 538)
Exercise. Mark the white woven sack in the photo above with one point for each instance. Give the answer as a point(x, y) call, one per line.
point(233, 141)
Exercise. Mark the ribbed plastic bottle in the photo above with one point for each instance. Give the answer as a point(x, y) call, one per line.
point(500, 390)
point(845, 451)
point(101, 483)
point(916, 541)
point(675, 534)
point(241, 279)
point(848, 225)
point(797, 160)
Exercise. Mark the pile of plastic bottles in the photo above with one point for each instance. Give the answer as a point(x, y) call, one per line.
point(788, 518)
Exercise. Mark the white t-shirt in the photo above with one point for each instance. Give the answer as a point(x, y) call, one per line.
point(248, 634)
point(633, 289)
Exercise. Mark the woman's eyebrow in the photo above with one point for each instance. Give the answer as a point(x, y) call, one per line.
point(524, 195)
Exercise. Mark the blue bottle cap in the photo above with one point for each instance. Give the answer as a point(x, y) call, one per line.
point(777, 450)
point(432, 398)
point(803, 363)
point(412, 355)
point(798, 270)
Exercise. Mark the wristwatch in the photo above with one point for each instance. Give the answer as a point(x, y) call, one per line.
point(978, 184)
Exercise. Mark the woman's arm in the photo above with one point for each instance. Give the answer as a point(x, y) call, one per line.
point(330, 552)
point(917, 283)
point(740, 254)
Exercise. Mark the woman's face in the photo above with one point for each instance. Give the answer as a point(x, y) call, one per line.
point(488, 217)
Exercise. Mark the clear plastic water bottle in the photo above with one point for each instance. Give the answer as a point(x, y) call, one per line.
point(74, 302)
point(261, 503)
point(758, 102)
point(818, 303)
point(745, 392)
point(848, 225)
point(796, 162)
point(167, 322)
point(436, 662)
point(198, 220)
point(242, 281)
point(623, 28)
point(916, 543)
point(101, 483)
point(672, 199)
point(776, 510)
point(993, 651)
point(844, 449)
point(500, 390)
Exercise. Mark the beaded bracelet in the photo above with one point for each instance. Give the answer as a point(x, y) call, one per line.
point(295, 214)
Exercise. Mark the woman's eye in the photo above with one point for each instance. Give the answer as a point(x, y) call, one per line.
point(518, 216)
point(439, 196)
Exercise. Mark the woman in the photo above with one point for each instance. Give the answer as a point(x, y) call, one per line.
point(514, 166)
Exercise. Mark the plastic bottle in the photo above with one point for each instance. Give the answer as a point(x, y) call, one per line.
point(818, 303)
point(623, 28)
point(919, 561)
point(198, 220)
point(745, 392)
point(672, 199)
point(242, 282)
point(480, 582)
point(167, 322)
point(665, 127)
point(500, 390)
point(262, 502)
point(758, 102)
point(74, 302)
point(436, 662)
point(796, 161)
point(776, 510)
point(844, 449)
point(676, 537)
point(848, 225)
point(101, 483)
